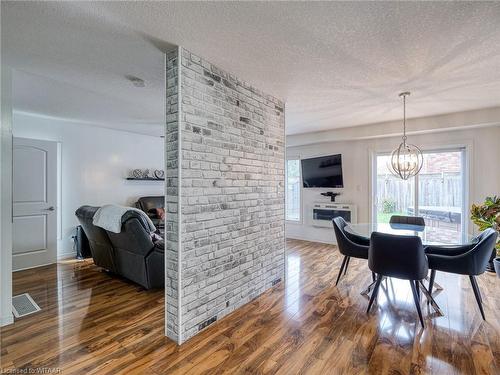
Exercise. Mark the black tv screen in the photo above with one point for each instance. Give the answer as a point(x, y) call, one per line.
point(322, 172)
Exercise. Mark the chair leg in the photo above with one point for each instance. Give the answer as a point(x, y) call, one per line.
point(374, 278)
point(346, 265)
point(477, 294)
point(374, 293)
point(341, 269)
point(431, 281)
point(413, 284)
point(477, 288)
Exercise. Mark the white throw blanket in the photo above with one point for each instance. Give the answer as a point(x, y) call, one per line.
point(109, 217)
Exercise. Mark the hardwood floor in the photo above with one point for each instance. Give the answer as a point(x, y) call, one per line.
point(92, 323)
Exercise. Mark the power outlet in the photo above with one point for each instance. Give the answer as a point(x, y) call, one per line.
point(206, 323)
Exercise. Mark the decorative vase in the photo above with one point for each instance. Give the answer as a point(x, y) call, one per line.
point(496, 263)
point(491, 264)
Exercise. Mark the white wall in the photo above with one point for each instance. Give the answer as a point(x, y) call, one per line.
point(6, 198)
point(94, 162)
point(418, 125)
point(484, 179)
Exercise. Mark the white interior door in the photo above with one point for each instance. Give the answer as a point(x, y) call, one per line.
point(34, 203)
point(392, 195)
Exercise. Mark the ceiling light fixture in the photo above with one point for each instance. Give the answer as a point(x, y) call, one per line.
point(136, 81)
point(406, 160)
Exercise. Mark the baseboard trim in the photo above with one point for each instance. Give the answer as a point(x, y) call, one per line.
point(302, 238)
point(6, 320)
point(60, 257)
point(65, 256)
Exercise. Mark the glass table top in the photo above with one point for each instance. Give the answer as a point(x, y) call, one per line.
point(430, 235)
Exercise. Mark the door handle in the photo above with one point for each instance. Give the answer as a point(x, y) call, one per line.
point(51, 208)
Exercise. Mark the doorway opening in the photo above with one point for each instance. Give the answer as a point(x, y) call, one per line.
point(35, 197)
point(438, 193)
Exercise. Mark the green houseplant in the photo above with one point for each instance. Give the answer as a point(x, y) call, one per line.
point(487, 215)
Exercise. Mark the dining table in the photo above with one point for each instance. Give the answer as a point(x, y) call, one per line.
point(429, 235)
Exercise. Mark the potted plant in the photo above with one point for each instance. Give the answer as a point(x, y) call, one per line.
point(487, 215)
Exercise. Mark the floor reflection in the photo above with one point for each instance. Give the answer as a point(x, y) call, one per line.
point(292, 288)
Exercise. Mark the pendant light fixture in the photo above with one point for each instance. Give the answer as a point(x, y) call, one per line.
point(406, 160)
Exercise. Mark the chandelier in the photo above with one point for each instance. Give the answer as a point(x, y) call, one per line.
point(406, 160)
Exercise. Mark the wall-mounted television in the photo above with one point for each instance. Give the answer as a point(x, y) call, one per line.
point(322, 172)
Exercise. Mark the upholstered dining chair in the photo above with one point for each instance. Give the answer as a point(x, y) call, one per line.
point(408, 220)
point(350, 246)
point(470, 259)
point(402, 257)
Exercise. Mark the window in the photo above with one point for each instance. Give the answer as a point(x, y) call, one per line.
point(293, 190)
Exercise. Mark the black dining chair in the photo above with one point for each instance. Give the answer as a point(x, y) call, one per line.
point(470, 259)
point(350, 246)
point(407, 220)
point(402, 257)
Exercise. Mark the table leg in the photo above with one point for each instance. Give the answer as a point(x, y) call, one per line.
point(436, 285)
point(431, 300)
point(370, 287)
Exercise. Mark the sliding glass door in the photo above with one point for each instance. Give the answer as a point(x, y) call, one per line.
point(437, 193)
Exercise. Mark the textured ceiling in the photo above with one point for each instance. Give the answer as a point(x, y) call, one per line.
point(71, 64)
point(336, 64)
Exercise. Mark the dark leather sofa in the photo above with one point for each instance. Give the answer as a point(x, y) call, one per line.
point(130, 253)
point(149, 206)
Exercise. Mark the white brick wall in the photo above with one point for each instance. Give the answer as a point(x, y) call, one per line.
point(231, 194)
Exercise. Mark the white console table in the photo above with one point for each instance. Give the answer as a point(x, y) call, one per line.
point(323, 213)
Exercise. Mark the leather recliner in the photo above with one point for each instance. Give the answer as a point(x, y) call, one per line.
point(149, 206)
point(130, 253)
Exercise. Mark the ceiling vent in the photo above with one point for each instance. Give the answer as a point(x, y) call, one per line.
point(23, 305)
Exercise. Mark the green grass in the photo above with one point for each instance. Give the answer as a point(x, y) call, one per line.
point(384, 218)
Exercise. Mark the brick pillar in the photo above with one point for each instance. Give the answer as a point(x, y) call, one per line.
point(225, 159)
